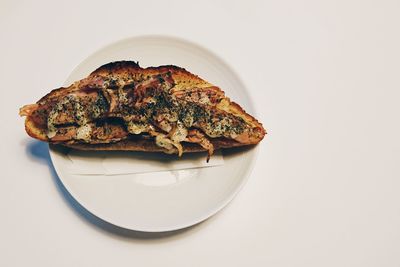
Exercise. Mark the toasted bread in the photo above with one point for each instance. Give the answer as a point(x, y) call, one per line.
point(121, 106)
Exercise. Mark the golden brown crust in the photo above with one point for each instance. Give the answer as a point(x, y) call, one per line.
point(34, 131)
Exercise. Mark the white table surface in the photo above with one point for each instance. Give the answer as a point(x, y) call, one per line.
point(324, 76)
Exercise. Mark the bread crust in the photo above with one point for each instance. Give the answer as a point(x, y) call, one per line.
point(148, 145)
point(34, 131)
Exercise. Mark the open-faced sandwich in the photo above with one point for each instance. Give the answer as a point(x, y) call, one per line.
point(121, 106)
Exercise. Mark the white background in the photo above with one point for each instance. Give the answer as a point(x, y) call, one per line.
point(324, 76)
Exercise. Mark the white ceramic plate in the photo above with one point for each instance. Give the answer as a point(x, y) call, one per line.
point(131, 201)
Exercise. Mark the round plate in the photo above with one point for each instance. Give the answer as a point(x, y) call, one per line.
point(129, 201)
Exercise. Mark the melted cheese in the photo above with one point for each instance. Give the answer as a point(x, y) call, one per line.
point(204, 99)
point(80, 114)
point(84, 132)
point(51, 129)
point(165, 126)
point(218, 128)
point(171, 117)
point(136, 127)
point(180, 133)
point(165, 142)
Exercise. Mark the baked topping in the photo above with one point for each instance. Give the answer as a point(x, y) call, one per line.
point(111, 106)
point(148, 106)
